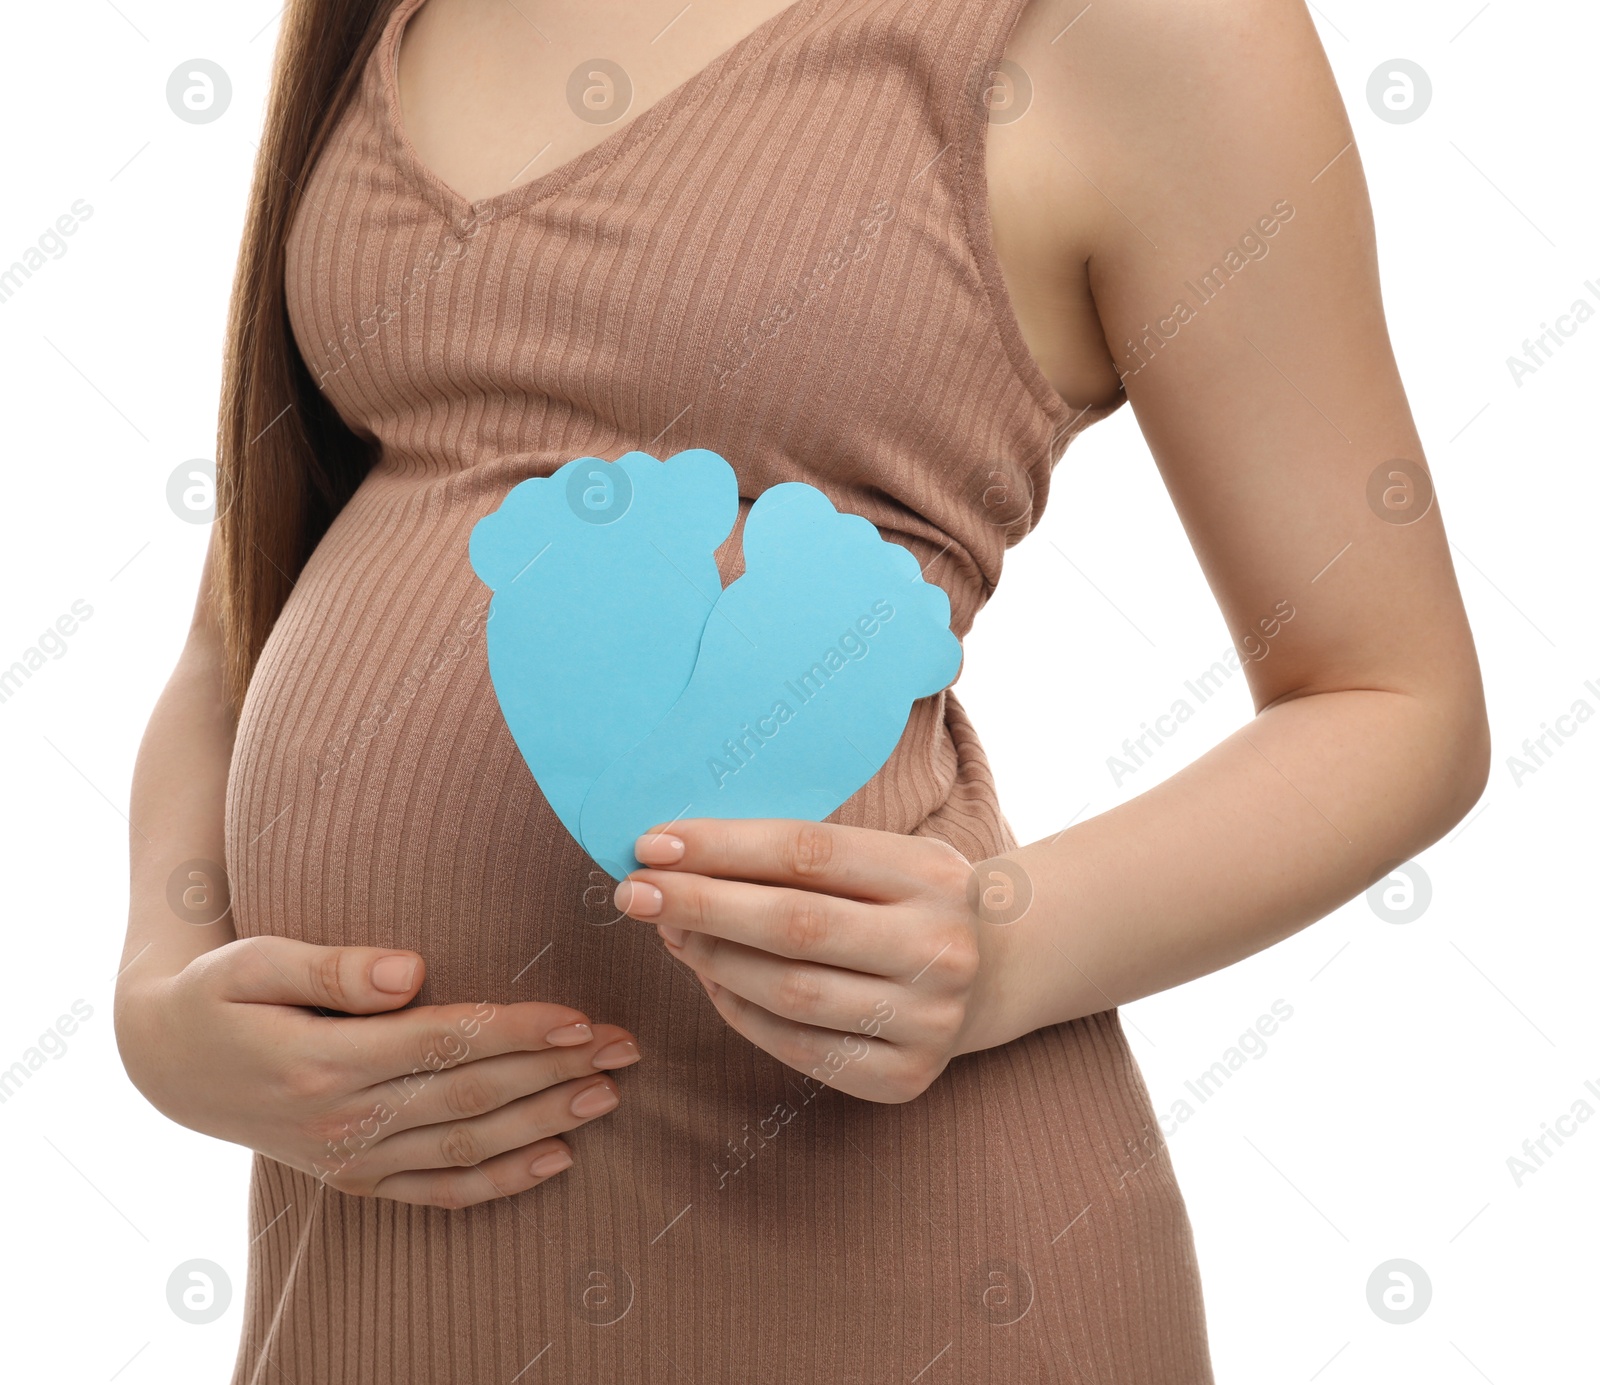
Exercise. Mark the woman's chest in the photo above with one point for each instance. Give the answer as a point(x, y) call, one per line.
point(487, 102)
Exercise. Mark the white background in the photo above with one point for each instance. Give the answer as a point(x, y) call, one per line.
point(1419, 1056)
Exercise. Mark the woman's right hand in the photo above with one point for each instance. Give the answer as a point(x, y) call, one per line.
point(443, 1105)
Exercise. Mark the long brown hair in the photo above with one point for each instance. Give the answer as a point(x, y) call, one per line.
point(286, 462)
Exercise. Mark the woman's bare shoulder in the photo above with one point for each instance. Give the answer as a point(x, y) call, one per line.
point(1175, 94)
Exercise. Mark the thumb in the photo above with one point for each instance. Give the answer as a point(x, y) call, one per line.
point(285, 971)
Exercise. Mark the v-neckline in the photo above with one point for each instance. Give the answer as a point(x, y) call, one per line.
point(457, 208)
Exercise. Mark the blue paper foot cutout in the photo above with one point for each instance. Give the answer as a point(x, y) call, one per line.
point(603, 576)
point(805, 678)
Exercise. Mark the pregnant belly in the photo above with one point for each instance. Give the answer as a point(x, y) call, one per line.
point(375, 795)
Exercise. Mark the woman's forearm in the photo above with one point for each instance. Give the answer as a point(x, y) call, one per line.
point(176, 809)
point(1285, 820)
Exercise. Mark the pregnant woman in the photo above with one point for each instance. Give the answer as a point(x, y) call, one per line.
point(877, 1110)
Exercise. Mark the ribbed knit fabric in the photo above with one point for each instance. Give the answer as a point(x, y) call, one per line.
point(787, 259)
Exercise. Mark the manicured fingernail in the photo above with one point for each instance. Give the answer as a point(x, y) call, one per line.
point(569, 1034)
point(593, 1101)
point(553, 1162)
point(659, 848)
point(394, 974)
point(617, 1055)
point(675, 936)
point(638, 899)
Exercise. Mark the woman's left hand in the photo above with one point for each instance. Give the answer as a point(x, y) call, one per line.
point(849, 954)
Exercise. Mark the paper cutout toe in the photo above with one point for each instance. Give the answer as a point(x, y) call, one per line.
point(603, 576)
point(805, 678)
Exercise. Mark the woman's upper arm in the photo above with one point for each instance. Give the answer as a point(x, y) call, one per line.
point(1233, 265)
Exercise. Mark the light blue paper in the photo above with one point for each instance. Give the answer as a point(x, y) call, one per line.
point(603, 576)
point(806, 674)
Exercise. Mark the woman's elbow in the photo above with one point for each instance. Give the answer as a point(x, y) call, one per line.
point(1465, 755)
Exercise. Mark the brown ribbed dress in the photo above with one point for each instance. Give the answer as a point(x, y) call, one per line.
point(787, 259)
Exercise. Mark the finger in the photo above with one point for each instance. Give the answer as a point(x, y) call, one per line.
point(432, 1038)
point(853, 1063)
point(515, 1171)
point(476, 1088)
point(854, 862)
point(286, 971)
point(791, 923)
point(462, 1144)
point(826, 997)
